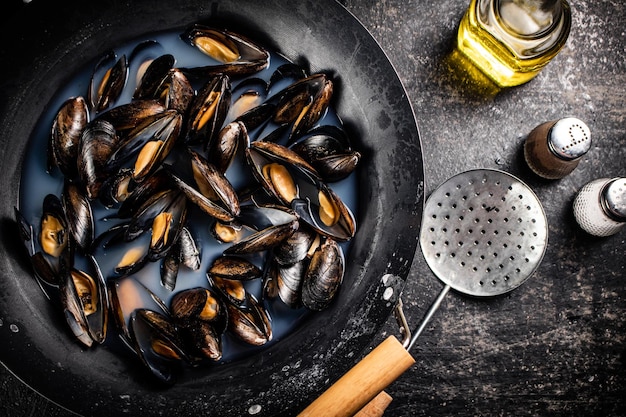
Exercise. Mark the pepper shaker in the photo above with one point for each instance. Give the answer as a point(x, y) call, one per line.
point(600, 206)
point(554, 149)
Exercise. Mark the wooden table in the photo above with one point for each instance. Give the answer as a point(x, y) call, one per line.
point(556, 345)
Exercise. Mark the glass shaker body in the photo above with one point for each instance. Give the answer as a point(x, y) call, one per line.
point(512, 40)
point(600, 206)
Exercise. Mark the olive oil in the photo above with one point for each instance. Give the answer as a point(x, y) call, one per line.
point(512, 40)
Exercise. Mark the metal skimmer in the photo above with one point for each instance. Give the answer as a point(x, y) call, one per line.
point(484, 232)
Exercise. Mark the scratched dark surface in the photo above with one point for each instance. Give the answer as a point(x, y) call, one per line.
point(556, 345)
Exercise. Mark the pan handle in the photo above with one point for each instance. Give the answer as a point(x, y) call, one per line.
point(368, 378)
point(363, 382)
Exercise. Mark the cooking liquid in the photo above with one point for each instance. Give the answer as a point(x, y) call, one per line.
point(512, 40)
point(36, 183)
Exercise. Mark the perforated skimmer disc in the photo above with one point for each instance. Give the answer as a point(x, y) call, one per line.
point(484, 232)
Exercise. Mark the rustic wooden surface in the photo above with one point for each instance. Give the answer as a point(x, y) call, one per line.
point(557, 345)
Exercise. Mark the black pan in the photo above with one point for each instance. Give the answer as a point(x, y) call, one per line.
point(48, 41)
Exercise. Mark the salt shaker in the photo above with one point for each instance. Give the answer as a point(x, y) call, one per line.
point(600, 206)
point(554, 149)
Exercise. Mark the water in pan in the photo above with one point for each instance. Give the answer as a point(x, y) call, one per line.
point(36, 183)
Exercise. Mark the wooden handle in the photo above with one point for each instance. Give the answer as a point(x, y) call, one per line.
point(376, 407)
point(363, 382)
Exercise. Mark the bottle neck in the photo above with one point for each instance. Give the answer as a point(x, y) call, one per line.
point(528, 17)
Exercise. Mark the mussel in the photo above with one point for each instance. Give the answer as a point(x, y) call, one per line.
point(103, 94)
point(98, 142)
point(323, 276)
point(67, 129)
point(234, 53)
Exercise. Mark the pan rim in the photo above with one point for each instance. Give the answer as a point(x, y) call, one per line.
point(398, 266)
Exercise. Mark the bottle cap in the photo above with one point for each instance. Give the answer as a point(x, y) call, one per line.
point(614, 199)
point(569, 138)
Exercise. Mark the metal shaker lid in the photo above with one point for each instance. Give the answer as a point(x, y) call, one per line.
point(614, 199)
point(569, 138)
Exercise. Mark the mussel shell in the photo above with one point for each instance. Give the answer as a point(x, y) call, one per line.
point(304, 103)
point(193, 195)
point(153, 76)
point(250, 57)
point(102, 94)
point(67, 129)
point(296, 247)
point(127, 116)
point(263, 240)
point(230, 138)
point(328, 149)
point(323, 276)
point(199, 304)
point(176, 91)
point(208, 110)
point(260, 154)
point(202, 337)
point(98, 142)
point(189, 250)
point(169, 268)
point(250, 323)
point(234, 267)
point(93, 298)
point(308, 210)
point(164, 126)
point(155, 183)
point(79, 215)
point(73, 310)
point(117, 188)
point(232, 290)
point(157, 343)
point(213, 184)
point(53, 231)
point(288, 281)
point(259, 217)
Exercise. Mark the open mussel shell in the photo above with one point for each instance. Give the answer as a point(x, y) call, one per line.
point(157, 344)
point(103, 93)
point(136, 195)
point(176, 91)
point(206, 187)
point(129, 257)
point(213, 184)
point(198, 304)
point(278, 169)
point(232, 290)
point(250, 322)
point(234, 53)
point(324, 276)
point(127, 294)
point(322, 209)
point(98, 142)
point(84, 299)
point(165, 216)
point(189, 250)
point(148, 144)
point(67, 129)
point(303, 103)
point(327, 148)
point(117, 187)
point(263, 239)
point(208, 110)
point(53, 230)
point(153, 76)
point(79, 215)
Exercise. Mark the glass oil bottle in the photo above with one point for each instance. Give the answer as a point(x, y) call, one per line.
point(512, 40)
